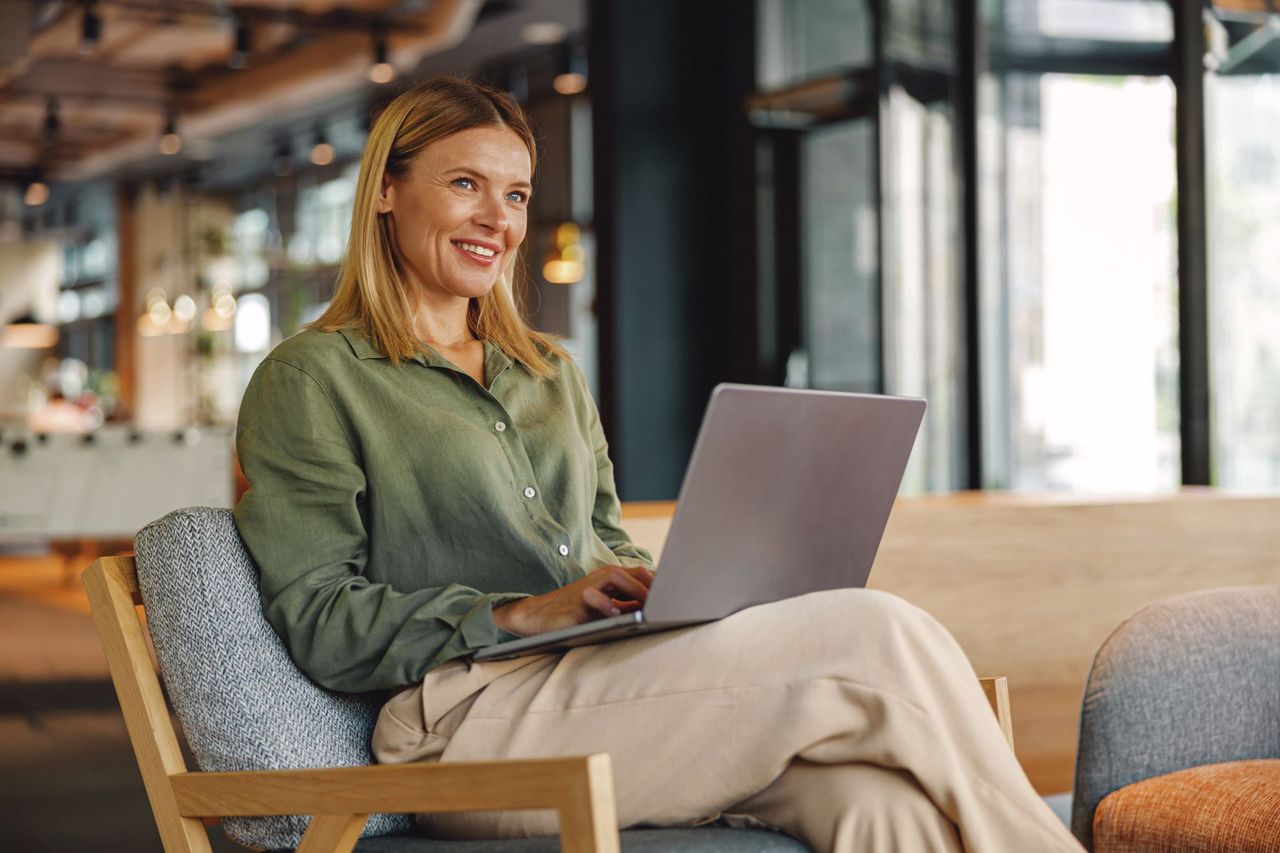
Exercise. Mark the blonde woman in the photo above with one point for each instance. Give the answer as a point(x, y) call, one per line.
point(429, 476)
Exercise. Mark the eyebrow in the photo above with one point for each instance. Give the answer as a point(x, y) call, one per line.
point(482, 176)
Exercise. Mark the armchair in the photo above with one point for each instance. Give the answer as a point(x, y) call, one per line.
point(1180, 728)
point(274, 747)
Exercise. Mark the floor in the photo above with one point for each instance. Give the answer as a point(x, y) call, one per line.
point(68, 781)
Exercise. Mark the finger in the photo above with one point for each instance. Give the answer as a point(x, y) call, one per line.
point(627, 606)
point(622, 585)
point(640, 573)
point(599, 604)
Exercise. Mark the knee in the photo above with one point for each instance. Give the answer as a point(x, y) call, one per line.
point(871, 609)
point(878, 622)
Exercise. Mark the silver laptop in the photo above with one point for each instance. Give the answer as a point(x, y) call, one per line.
point(787, 492)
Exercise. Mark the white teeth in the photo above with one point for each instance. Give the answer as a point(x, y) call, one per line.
point(478, 250)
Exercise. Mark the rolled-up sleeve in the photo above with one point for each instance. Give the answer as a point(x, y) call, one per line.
point(303, 522)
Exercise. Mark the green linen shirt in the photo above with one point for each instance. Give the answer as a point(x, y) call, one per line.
point(391, 508)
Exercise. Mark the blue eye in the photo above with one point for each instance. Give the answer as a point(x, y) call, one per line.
point(517, 195)
point(465, 183)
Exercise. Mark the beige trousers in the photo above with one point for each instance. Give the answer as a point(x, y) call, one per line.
point(850, 719)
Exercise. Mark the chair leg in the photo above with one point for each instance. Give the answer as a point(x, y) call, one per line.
point(588, 820)
point(332, 833)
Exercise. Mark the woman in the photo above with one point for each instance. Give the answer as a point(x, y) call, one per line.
point(429, 476)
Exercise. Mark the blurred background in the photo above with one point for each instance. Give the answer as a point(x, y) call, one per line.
point(1057, 220)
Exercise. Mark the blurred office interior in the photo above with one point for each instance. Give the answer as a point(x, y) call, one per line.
point(1057, 220)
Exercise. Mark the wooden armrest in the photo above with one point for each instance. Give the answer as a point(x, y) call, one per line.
point(541, 783)
point(579, 788)
point(997, 690)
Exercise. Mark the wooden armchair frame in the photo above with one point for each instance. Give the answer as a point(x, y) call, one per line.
point(339, 799)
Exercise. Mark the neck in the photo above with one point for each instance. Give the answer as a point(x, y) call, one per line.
point(443, 325)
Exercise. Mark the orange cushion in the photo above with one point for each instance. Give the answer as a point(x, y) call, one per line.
point(1221, 808)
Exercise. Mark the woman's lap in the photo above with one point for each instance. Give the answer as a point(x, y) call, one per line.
point(701, 718)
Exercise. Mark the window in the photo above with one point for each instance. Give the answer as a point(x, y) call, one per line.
point(1243, 166)
point(1078, 243)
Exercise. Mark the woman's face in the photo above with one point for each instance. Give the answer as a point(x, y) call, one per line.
point(460, 213)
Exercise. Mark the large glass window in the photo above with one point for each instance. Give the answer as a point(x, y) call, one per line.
point(1102, 20)
point(1244, 278)
point(840, 269)
point(805, 38)
point(1077, 233)
point(1078, 266)
point(921, 283)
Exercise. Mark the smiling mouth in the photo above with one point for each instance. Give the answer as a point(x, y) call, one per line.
point(479, 252)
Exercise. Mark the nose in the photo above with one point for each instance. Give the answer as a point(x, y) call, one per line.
point(491, 213)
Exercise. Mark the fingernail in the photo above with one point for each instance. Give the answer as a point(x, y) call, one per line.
point(615, 611)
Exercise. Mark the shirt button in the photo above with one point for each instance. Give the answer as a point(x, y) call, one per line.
point(529, 491)
point(500, 426)
point(564, 550)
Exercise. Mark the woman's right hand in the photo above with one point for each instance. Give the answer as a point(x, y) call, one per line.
point(607, 591)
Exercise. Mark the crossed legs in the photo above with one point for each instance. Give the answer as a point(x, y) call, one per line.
point(843, 717)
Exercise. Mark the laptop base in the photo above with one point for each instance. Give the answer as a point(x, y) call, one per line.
point(586, 634)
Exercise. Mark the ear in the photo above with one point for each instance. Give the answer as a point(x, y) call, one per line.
point(387, 194)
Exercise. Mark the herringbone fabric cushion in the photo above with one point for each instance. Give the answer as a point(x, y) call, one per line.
point(242, 702)
point(1217, 808)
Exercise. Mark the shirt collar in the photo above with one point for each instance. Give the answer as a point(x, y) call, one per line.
point(495, 360)
point(360, 345)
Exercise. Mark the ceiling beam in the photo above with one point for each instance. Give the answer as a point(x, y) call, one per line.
point(323, 69)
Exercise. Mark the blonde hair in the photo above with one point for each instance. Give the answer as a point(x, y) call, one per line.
point(372, 295)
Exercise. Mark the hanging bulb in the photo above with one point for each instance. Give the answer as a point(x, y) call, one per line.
point(382, 71)
point(171, 141)
point(572, 77)
point(322, 153)
point(37, 193)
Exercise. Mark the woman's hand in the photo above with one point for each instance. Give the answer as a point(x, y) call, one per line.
point(607, 591)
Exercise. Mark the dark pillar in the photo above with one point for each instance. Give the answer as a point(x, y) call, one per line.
point(674, 223)
point(1193, 298)
point(969, 54)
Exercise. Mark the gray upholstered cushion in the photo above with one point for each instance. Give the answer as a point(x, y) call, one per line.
point(1189, 681)
point(707, 839)
point(244, 705)
point(242, 702)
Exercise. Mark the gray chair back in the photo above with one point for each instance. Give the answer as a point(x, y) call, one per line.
point(242, 702)
point(1190, 681)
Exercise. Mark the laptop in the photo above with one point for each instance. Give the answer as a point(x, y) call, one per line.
point(787, 492)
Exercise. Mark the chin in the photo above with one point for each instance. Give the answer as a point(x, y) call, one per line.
point(473, 290)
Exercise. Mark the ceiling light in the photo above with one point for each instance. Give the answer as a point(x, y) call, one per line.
point(570, 83)
point(184, 308)
point(90, 28)
point(170, 141)
point(27, 332)
point(37, 193)
point(322, 152)
point(382, 71)
point(571, 76)
point(543, 32)
point(566, 263)
point(243, 45)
